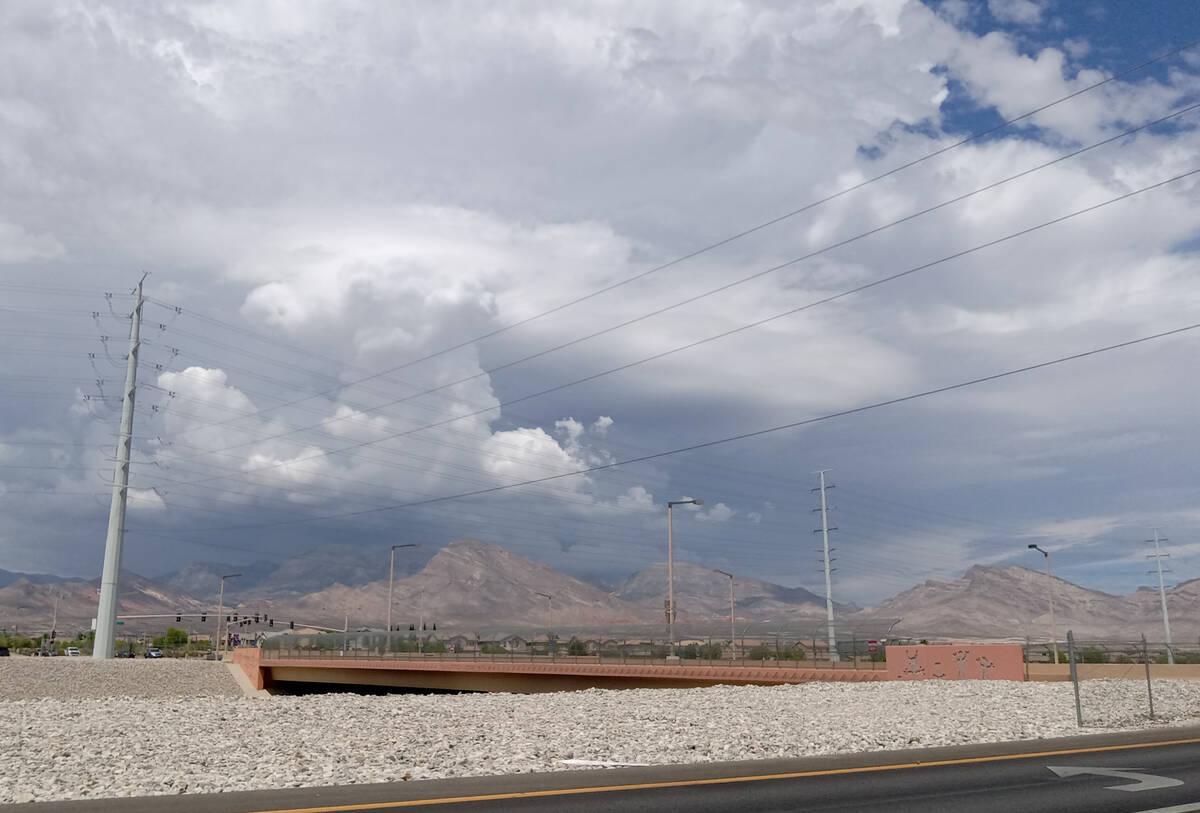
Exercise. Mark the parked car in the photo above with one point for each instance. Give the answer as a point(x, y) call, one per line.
point(73, 651)
point(125, 653)
point(3, 652)
point(154, 652)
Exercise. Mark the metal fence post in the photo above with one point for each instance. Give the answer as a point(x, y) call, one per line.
point(1025, 654)
point(1074, 676)
point(1146, 660)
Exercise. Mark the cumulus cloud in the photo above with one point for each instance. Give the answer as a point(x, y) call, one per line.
point(145, 499)
point(1019, 12)
point(716, 513)
point(636, 499)
point(347, 421)
point(529, 453)
point(368, 192)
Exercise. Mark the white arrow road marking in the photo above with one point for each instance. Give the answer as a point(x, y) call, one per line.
point(1141, 781)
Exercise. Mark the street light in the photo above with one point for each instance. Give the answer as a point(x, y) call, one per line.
point(221, 612)
point(671, 574)
point(549, 619)
point(747, 627)
point(1050, 592)
point(732, 642)
point(391, 579)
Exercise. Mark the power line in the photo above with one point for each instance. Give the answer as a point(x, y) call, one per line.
point(410, 397)
point(355, 420)
point(742, 436)
point(766, 224)
point(788, 263)
point(815, 303)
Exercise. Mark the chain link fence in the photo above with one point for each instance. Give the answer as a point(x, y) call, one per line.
point(774, 651)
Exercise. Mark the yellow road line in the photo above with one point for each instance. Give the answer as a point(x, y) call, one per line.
point(724, 780)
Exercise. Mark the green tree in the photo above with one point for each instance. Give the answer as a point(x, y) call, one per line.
point(175, 637)
point(18, 642)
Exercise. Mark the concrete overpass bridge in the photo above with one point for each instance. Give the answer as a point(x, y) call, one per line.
point(301, 669)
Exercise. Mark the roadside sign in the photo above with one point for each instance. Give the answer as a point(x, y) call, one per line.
point(872, 647)
point(120, 623)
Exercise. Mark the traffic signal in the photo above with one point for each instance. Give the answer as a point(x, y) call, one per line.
point(256, 618)
point(291, 625)
point(270, 622)
point(435, 625)
point(178, 619)
point(227, 619)
point(53, 634)
point(203, 617)
point(412, 628)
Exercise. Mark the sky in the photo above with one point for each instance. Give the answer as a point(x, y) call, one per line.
point(400, 253)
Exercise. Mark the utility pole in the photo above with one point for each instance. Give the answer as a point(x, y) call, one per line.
point(220, 653)
point(1157, 556)
point(54, 620)
point(391, 579)
point(670, 606)
point(106, 614)
point(824, 531)
point(731, 630)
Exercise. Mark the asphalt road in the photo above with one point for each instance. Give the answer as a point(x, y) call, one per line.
point(1157, 772)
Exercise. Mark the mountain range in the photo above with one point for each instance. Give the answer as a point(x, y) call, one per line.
point(473, 586)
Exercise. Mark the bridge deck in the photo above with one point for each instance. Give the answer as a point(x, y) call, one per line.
point(266, 669)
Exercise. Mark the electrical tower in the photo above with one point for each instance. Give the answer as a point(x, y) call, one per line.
point(106, 614)
point(1158, 556)
point(824, 531)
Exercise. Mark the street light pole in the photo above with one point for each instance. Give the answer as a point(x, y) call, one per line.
point(671, 572)
point(391, 580)
point(732, 642)
point(1050, 592)
point(221, 614)
point(421, 621)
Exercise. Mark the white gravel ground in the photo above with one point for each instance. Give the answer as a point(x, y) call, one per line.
point(22, 678)
point(176, 730)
